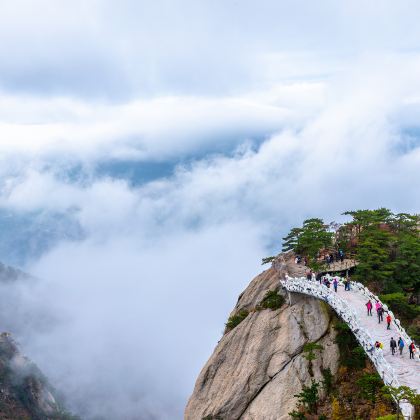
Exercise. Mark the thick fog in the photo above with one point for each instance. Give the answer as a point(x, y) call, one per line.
point(151, 155)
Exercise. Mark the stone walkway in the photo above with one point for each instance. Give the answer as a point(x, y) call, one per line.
point(407, 370)
point(351, 307)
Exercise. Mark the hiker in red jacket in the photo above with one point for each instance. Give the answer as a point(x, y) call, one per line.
point(388, 322)
point(411, 348)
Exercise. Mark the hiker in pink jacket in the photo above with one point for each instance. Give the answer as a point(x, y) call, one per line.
point(369, 307)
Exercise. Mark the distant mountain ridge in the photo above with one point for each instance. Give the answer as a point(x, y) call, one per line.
point(8, 273)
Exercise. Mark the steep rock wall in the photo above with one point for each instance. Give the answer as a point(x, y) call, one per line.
point(258, 367)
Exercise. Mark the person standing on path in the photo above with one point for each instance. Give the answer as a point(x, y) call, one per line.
point(411, 349)
point(369, 307)
point(388, 322)
point(346, 284)
point(335, 283)
point(393, 345)
point(401, 345)
point(379, 309)
point(380, 314)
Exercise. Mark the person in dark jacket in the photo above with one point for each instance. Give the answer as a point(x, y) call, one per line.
point(393, 345)
point(380, 312)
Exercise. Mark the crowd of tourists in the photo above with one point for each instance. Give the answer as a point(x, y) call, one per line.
point(333, 282)
point(329, 258)
point(334, 256)
point(393, 344)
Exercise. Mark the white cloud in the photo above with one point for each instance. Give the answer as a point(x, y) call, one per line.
point(154, 129)
point(129, 318)
point(143, 298)
point(135, 306)
point(142, 48)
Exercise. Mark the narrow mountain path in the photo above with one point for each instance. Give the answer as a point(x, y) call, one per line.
point(407, 370)
point(350, 305)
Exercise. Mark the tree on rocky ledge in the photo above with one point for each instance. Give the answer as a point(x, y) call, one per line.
point(309, 240)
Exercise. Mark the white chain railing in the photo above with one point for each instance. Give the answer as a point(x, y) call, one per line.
point(341, 307)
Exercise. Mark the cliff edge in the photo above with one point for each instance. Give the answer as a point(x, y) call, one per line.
point(258, 366)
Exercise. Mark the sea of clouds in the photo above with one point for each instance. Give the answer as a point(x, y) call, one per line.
point(269, 125)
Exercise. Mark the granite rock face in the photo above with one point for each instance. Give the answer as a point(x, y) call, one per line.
point(258, 367)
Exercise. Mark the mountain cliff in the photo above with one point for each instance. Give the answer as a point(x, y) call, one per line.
point(258, 366)
point(25, 393)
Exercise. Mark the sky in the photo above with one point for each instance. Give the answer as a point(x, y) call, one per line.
point(151, 153)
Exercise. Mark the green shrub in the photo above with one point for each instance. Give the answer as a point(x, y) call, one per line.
point(309, 349)
point(272, 300)
point(370, 385)
point(358, 358)
point(387, 417)
point(309, 397)
point(398, 303)
point(414, 333)
point(236, 319)
point(327, 382)
point(351, 354)
point(297, 415)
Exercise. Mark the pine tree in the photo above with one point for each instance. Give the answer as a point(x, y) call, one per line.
point(309, 240)
point(373, 255)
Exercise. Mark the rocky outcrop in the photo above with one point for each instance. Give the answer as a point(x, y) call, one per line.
point(24, 392)
point(258, 367)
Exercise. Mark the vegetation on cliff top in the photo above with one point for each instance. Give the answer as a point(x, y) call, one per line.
point(386, 247)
